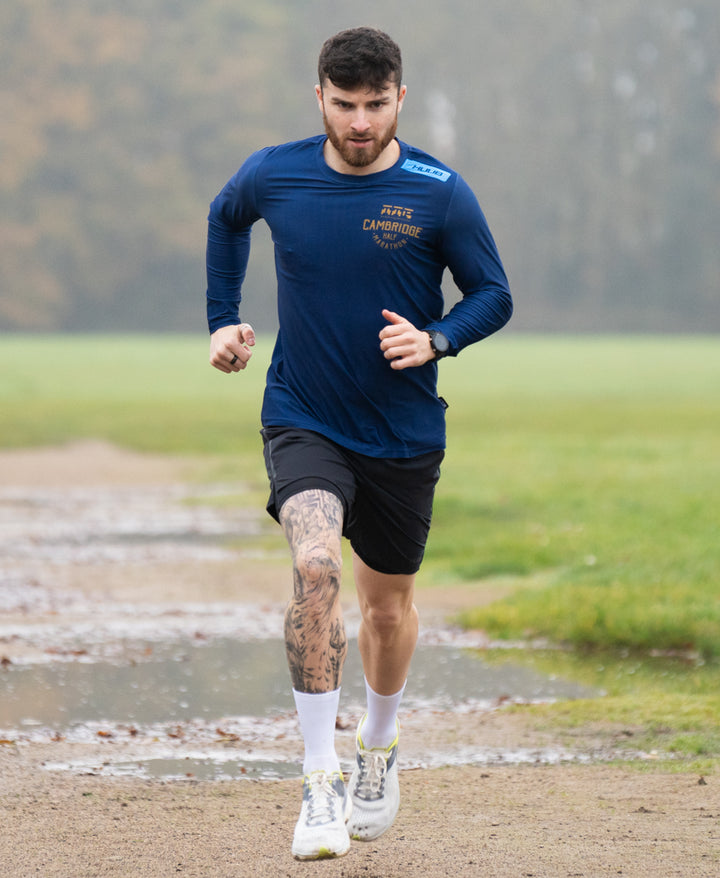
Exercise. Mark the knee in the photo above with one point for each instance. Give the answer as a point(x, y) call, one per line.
point(317, 572)
point(385, 620)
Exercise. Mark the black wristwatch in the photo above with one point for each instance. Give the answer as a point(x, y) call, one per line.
point(438, 342)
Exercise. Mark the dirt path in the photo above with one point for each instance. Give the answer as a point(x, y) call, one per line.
point(494, 820)
point(591, 821)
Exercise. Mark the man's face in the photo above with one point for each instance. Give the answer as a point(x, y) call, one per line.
point(360, 124)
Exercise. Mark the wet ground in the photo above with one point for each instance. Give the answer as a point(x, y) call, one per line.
point(177, 687)
point(232, 691)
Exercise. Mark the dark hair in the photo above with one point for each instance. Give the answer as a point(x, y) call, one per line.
point(360, 57)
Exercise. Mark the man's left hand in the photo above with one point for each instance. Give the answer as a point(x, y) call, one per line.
point(403, 344)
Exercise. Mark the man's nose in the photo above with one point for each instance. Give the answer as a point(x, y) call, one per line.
point(361, 123)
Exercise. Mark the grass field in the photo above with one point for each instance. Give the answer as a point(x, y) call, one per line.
point(582, 474)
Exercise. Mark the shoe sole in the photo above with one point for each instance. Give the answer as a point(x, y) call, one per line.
point(357, 837)
point(323, 854)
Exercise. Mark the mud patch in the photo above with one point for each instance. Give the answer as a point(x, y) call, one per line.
point(119, 525)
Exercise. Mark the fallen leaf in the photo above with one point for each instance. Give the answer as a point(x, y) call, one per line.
point(227, 736)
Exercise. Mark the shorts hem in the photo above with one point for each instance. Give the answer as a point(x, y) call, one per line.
point(306, 483)
point(408, 570)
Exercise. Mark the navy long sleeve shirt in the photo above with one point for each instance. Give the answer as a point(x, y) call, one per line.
point(346, 247)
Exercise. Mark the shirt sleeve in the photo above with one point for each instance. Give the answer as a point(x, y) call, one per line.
point(473, 259)
point(232, 215)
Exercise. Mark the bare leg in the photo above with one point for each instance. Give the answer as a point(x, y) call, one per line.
point(389, 627)
point(315, 639)
point(387, 637)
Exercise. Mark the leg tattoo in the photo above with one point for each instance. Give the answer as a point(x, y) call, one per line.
point(315, 639)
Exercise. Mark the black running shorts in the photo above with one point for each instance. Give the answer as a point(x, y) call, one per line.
point(387, 502)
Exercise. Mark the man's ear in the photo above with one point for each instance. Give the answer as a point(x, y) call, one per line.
point(401, 96)
point(319, 96)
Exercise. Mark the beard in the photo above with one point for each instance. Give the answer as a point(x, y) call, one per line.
point(360, 157)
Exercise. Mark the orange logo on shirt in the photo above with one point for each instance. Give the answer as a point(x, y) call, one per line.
point(393, 228)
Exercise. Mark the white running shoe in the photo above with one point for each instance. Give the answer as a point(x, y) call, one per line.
point(321, 832)
point(374, 790)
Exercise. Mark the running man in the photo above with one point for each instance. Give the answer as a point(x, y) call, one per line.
point(363, 226)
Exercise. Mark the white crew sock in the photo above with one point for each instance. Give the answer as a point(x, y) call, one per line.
point(317, 714)
point(380, 726)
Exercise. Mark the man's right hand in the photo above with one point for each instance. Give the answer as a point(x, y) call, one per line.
point(230, 347)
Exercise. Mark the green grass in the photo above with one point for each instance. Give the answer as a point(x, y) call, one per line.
point(582, 472)
point(662, 708)
point(597, 463)
point(149, 393)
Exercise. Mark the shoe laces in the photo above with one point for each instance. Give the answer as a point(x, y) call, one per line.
point(371, 779)
point(322, 798)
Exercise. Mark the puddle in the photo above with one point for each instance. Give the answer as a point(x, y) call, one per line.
point(208, 766)
point(231, 678)
point(183, 707)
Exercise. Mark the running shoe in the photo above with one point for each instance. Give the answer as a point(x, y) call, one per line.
point(374, 790)
point(321, 832)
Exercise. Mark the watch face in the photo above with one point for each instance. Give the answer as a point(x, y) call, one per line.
point(440, 344)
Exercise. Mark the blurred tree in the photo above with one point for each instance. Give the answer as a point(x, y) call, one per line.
point(590, 132)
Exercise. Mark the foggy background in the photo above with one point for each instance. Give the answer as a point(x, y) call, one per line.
point(590, 132)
